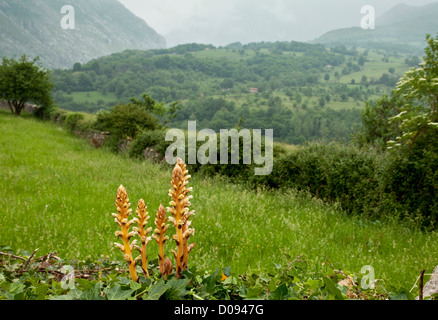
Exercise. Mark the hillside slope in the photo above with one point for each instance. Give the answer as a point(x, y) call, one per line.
point(404, 27)
point(58, 194)
point(102, 27)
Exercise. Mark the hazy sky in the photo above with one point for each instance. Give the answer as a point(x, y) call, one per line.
point(226, 21)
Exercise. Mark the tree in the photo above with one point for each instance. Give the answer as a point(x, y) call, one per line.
point(375, 128)
point(322, 102)
point(150, 105)
point(411, 114)
point(172, 113)
point(407, 125)
point(77, 67)
point(23, 81)
point(227, 83)
point(419, 89)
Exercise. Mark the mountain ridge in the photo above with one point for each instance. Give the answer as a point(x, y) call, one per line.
point(405, 27)
point(101, 28)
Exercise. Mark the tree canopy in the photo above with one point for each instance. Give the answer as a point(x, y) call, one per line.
point(23, 81)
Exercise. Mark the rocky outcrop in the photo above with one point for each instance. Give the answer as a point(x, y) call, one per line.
point(431, 287)
point(152, 155)
point(28, 107)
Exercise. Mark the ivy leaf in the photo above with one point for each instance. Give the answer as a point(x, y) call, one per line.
point(85, 284)
point(253, 293)
point(227, 271)
point(41, 290)
point(157, 290)
point(211, 281)
point(281, 293)
point(313, 284)
point(93, 293)
point(177, 289)
point(331, 287)
point(62, 297)
point(134, 285)
point(401, 294)
point(74, 294)
point(116, 293)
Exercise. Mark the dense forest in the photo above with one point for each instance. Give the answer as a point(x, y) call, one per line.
point(302, 91)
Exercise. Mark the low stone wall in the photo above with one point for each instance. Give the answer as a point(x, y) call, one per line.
point(29, 108)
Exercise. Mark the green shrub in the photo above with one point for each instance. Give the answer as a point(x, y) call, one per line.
point(72, 121)
point(44, 111)
point(58, 115)
point(126, 121)
point(409, 181)
point(149, 139)
point(332, 172)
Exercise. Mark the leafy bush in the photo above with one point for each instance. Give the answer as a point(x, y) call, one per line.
point(333, 172)
point(44, 111)
point(126, 121)
point(73, 120)
point(58, 115)
point(149, 139)
point(409, 182)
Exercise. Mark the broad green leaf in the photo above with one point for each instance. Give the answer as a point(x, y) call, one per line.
point(116, 293)
point(211, 281)
point(313, 283)
point(331, 287)
point(74, 294)
point(281, 293)
point(16, 287)
point(401, 294)
point(93, 293)
point(62, 297)
point(231, 280)
point(157, 290)
point(227, 271)
point(177, 289)
point(134, 285)
point(253, 293)
point(42, 289)
point(85, 284)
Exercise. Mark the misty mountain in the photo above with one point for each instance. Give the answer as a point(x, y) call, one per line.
point(101, 27)
point(403, 28)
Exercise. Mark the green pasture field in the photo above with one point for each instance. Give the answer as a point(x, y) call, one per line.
point(58, 193)
point(92, 96)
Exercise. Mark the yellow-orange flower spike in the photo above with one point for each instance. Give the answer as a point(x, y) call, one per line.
point(180, 214)
point(121, 218)
point(142, 232)
point(160, 238)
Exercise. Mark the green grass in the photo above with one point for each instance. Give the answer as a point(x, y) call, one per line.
point(58, 194)
point(375, 68)
point(92, 97)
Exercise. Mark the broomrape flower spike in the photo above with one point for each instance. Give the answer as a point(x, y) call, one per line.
point(160, 223)
point(180, 215)
point(142, 220)
point(121, 218)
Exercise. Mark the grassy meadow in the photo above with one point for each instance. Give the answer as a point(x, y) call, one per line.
point(57, 194)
